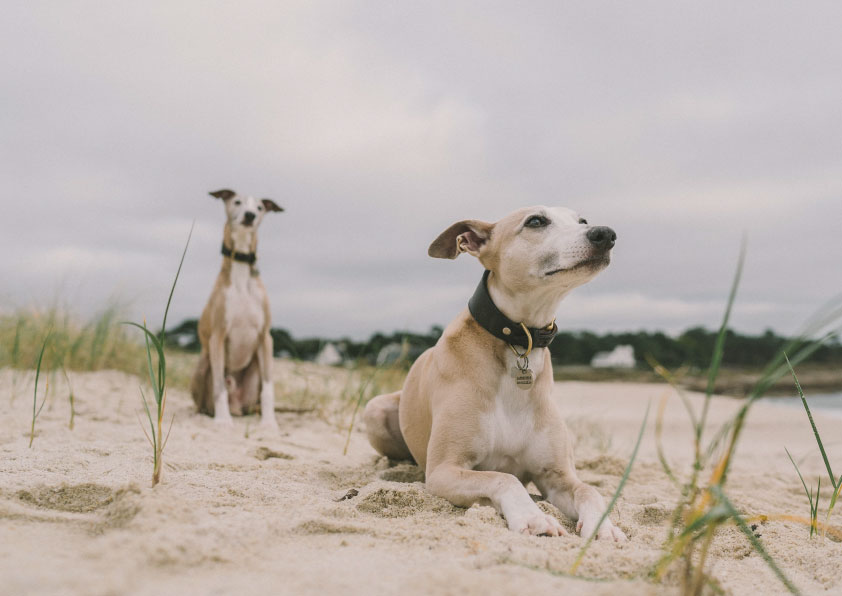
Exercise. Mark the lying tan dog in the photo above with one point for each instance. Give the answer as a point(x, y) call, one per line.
point(476, 411)
point(235, 366)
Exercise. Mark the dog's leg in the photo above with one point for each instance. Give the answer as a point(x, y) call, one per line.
point(235, 393)
point(464, 487)
point(267, 386)
point(383, 426)
point(250, 387)
point(200, 385)
point(216, 351)
point(561, 486)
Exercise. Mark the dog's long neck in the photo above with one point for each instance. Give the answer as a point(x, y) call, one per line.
point(534, 308)
point(238, 239)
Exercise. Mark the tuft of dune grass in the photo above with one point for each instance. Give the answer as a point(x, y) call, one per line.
point(76, 344)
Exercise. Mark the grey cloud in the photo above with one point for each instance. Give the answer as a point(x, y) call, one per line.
point(376, 125)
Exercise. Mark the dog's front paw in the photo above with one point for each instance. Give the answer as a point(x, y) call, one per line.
point(269, 423)
point(607, 531)
point(223, 420)
point(537, 524)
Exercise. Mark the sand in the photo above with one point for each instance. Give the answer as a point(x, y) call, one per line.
point(290, 514)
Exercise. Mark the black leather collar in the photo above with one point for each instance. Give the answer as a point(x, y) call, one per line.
point(240, 257)
point(502, 327)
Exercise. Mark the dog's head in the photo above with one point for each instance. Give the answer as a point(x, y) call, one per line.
point(533, 247)
point(244, 212)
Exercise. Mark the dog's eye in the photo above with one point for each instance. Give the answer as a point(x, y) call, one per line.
point(536, 221)
point(583, 221)
point(260, 207)
point(238, 202)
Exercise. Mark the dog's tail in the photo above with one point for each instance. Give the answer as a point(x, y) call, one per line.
point(383, 426)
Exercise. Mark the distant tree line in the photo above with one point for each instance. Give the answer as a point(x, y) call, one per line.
point(693, 347)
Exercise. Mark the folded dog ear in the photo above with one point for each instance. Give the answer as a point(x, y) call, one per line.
point(467, 236)
point(223, 194)
point(271, 205)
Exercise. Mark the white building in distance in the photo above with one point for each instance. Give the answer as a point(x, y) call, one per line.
point(329, 356)
point(619, 357)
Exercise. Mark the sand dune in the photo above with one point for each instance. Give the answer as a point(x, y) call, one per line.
point(266, 514)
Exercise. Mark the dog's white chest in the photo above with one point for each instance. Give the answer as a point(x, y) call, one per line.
point(509, 429)
point(244, 317)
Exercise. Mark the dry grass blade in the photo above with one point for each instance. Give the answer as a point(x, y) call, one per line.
point(361, 396)
point(71, 398)
point(381, 366)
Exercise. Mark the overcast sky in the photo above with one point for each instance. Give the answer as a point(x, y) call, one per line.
point(378, 124)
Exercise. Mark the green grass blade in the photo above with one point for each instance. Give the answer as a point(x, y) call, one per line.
point(802, 347)
point(832, 504)
point(804, 484)
point(616, 496)
point(157, 384)
point(35, 392)
point(175, 281)
point(152, 379)
point(813, 424)
point(38, 375)
point(809, 493)
point(162, 370)
point(719, 346)
point(16, 344)
point(715, 515)
point(755, 543)
point(769, 377)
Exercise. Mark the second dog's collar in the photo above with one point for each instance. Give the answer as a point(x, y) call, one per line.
point(240, 257)
point(486, 313)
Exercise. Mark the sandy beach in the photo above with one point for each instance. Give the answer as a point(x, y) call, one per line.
point(245, 512)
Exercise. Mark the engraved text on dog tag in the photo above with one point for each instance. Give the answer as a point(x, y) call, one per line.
point(524, 378)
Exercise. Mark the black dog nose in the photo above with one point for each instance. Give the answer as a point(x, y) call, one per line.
point(248, 217)
point(602, 237)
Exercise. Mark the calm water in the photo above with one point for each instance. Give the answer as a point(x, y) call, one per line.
point(826, 403)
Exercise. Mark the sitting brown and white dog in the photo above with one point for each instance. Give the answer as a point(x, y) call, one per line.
point(235, 366)
point(477, 410)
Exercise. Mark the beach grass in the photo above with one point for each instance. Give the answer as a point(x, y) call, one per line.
point(75, 344)
point(158, 379)
point(836, 483)
point(36, 410)
point(814, 503)
point(71, 398)
point(704, 506)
